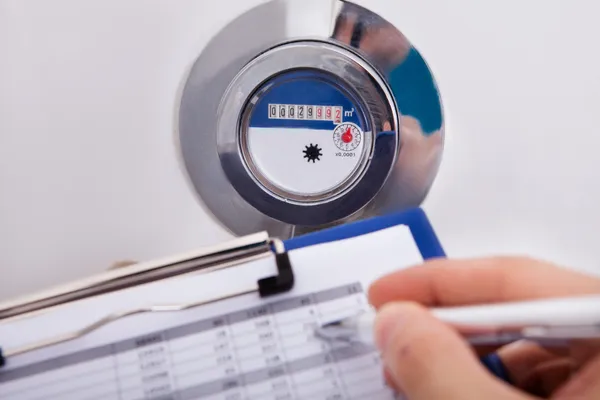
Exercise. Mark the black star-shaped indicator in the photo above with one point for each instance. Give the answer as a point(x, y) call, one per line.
point(312, 153)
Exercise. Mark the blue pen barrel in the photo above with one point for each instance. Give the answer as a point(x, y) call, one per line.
point(494, 364)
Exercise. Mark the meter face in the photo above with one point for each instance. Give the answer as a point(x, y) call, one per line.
point(305, 135)
point(323, 118)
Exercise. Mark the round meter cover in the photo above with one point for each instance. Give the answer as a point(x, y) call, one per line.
point(305, 135)
point(329, 116)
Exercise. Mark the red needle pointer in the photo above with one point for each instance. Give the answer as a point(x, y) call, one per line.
point(347, 136)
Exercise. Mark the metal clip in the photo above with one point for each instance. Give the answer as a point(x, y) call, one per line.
point(277, 284)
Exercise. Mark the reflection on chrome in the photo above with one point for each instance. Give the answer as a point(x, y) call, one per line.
point(371, 57)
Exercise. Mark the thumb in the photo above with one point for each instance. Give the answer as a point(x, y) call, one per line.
point(428, 360)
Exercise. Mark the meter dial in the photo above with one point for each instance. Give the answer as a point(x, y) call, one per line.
point(298, 127)
point(347, 136)
point(286, 135)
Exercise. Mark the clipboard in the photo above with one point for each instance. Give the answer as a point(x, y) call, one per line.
point(210, 259)
point(231, 257)
point(416, 219)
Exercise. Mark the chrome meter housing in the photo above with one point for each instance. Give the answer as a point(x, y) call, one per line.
point(301, 114)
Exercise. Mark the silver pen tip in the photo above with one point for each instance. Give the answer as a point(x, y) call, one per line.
point(332, 324)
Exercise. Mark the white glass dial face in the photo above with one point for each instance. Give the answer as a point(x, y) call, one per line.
point(304, 136)
point(347, 136)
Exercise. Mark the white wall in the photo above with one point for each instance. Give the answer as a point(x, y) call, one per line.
point(88, 173)
point(521, 87)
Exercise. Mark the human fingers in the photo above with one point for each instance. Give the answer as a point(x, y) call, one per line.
point(536, 369)
point(547, 377)
point(542, 370)
point(582, 351)
point(445, 282)
point(427, 359)
point(585, 384)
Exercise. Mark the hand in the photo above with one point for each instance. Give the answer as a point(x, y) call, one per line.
point(426, 359)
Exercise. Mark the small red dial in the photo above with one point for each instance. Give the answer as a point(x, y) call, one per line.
point(347, 136)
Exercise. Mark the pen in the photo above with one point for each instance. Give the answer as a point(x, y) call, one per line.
point(551, 322)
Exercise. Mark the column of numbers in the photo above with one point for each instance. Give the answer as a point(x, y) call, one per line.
point(260, 355)
point(206, 357)
point(145, 372)
point(359, 365)
point(311, 366)
point(296, 329)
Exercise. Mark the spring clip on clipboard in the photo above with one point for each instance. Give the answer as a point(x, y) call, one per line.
point(216, 258)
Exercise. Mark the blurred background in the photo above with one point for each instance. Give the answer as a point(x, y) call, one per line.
point(89, 168)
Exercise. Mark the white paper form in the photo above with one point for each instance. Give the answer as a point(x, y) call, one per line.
point(245, 348)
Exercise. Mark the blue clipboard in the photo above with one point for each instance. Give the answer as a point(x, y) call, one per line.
point(425, 238)
point(416, 219)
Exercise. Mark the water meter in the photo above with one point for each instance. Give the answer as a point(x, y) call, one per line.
point(301, 114)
